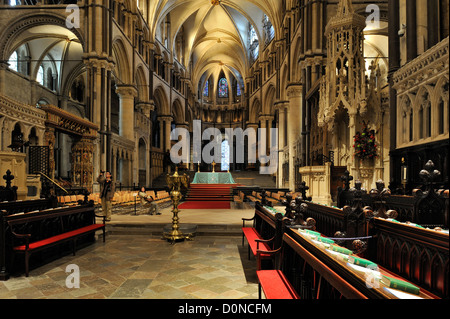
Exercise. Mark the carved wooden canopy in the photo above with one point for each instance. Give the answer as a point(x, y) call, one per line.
point(68, 122)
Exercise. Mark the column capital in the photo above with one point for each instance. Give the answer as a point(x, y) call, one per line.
point(254, 125)
point(165, 118)
point(294, 90)
point(266, 117)
point(281, 105)
point(94, 60)
point(125, 91)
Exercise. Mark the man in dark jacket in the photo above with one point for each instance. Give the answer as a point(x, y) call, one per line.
point(106, 193)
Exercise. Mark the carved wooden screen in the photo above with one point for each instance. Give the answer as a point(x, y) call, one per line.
point(38, 159)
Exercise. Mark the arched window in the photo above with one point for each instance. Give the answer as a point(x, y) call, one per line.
point(40, 75)
point(254, 44)
point(206, 89)
point(225, 163)
point(269, 31)
point(13, 62)
point(49, 79)
point(223, 87)
point(238, 90)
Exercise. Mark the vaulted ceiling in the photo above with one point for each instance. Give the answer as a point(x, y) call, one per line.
point(216, 32)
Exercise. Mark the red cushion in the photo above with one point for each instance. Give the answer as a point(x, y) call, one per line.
point(251, 234)
point(275, 285)
point(60, 237)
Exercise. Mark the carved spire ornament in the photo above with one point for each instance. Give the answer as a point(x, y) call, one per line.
point(344, 82)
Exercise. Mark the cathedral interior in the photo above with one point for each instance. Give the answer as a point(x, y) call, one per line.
point(356, 93)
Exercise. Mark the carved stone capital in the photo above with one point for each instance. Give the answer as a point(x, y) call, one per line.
point(294, 90)
point(125, 91)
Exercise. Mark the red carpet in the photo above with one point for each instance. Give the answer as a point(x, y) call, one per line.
point(208, 196)
point(204, 205)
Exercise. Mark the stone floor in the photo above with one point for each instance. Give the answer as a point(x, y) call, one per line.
point(145, 266)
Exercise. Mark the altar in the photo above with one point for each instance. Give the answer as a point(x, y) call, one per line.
point(213, 178)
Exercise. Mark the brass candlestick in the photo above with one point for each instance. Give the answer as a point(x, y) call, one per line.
point(175, 182)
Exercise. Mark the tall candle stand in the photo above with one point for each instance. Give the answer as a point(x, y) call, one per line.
point(174, 183)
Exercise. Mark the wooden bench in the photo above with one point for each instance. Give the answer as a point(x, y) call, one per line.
point(61, 225)
point(239, 198)
point(25, 206)
point(275, 285)
point(253, 240)
point(273, 281)
point(253, 197)
point(256, 243)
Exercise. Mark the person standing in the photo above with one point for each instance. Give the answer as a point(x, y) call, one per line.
point(106, 193)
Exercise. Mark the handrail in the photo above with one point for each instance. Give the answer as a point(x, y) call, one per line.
point(51, 180)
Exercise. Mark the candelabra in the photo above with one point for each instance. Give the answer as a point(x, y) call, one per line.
point(174, 183)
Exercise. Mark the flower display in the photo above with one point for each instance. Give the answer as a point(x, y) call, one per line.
point(365, 145)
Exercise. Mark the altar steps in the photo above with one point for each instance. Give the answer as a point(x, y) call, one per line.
point(210, 192)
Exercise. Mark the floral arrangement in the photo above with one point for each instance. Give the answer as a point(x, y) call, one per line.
point(365, 145)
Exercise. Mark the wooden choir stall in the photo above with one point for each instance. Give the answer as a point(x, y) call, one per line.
point(33, 232)
point(366, 250)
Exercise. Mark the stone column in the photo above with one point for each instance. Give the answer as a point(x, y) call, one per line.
point(352, 131)
point(252, 126)
point(294, 125)
point(281, 106)
point(411, 30)
point(165, 122)
point(3, 67)
point(394, 65)
point(126, 93)
point(98, 106)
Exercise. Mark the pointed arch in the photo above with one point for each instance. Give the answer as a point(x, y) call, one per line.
point(122, 64)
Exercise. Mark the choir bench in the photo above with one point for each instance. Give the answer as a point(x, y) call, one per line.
point(256, 243)
point(275, 285)
point(28, 233)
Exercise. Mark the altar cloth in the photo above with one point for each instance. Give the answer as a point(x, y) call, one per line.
point(213, 178)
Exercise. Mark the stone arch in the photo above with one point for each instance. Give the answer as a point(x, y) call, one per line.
point(269, 100)
point(141, 83)
point(296, 70)
point(422, 112)
point(177, 112)
point(122, 64)
point(75, 73)
point(25, 22)
point(161, 101)
point(440, 106)
point(255, 111)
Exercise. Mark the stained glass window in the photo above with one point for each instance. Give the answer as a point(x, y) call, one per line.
point(238, 90)
point(225, 164)
point(206, 90)
point(223, 87)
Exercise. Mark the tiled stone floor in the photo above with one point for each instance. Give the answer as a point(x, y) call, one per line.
point(136, 266)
